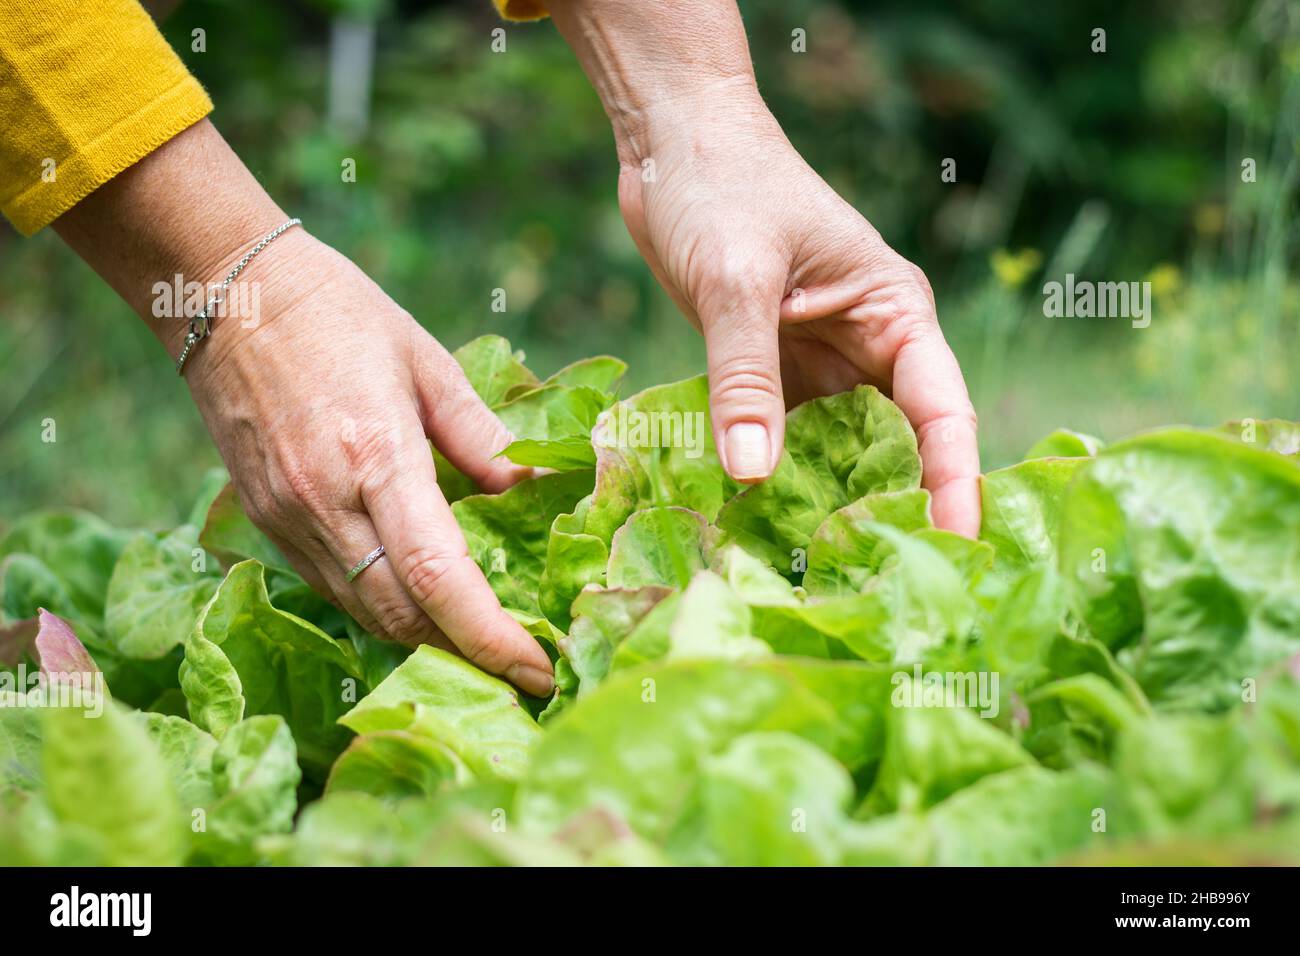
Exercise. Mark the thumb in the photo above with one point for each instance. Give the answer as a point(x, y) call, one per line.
point(745, 398)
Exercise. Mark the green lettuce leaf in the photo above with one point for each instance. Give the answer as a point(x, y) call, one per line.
point(233, 792)
point(1026, 816)
point(245, 657)
point(493, 368)
point(78, 547)
point(448, 699)
point(841, 557)
point(574, 559)
point(21, 732)
point(1182, 551)
point(108, 788)
point(571, 453)
point(602, 619)
point(601, 372)
point(657, 546)
point(634, 746)
point(1021, 511)
point(26, 585)
point(933, 752)
point(1064, 443)
point(1269, 434)
point(837, 449)
point(507, 533)
point(396, 764)
point(158, 587)
point(914, 601)
point(553, 412)
point(656, 448)
point(707, 620)
point(768, 799)
point(1184, 774)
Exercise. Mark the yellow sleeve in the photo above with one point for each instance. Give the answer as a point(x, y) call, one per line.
point(87, 88)
point(521, 9)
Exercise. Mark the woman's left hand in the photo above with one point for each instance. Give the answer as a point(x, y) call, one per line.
point(796, 294)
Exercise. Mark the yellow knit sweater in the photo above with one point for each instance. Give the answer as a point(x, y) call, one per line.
point(89, 87)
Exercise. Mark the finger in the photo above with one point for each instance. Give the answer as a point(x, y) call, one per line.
point(429, 556)
point(928, 387)
point(745, 399)
point(349, 537)
point(461, 426)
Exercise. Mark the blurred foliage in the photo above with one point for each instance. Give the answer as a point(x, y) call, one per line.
point(481, 170)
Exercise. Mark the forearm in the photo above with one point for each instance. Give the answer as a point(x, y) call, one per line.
point(654, 63)
point(190, 208)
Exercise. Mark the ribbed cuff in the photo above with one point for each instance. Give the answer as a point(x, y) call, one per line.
point(117, 148)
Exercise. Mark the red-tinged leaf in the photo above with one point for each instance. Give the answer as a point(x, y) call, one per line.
point(58, 651)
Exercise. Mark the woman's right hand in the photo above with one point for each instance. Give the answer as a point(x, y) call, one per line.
point(322, 405)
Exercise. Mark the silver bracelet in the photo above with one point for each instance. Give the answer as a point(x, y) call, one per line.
point(201, 324)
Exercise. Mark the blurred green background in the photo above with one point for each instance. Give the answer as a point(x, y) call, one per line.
point(479, 169)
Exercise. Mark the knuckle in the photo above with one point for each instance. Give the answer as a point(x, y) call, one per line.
point(294, 488)
point(909, 298)
point(487, 649)
point(742, 375)
point(915, 328)
point(459, 402)
point(403, 621)
point(731, 276)
point(917, 278)
point(426, 572)
point(963, 417)
point(372, 456)
point(366, 448)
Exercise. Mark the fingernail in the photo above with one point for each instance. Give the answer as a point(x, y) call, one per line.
point(532, 679)
point(749, 451)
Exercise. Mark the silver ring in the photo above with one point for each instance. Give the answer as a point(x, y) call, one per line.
point(366, 562)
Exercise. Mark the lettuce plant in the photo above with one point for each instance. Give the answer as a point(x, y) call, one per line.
point(802, 672)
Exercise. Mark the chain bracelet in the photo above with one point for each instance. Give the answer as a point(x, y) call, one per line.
point(201, 324)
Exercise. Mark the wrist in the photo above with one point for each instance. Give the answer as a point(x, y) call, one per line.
point(660, 66)
point(276, 281)
point(710, 121)
point(162, 232)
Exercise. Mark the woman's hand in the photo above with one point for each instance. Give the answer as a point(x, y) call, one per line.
point(322, 408)
point(321, 394)
point(796, 294)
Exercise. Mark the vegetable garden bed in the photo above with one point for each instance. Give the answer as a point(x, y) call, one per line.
point(799, 672)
